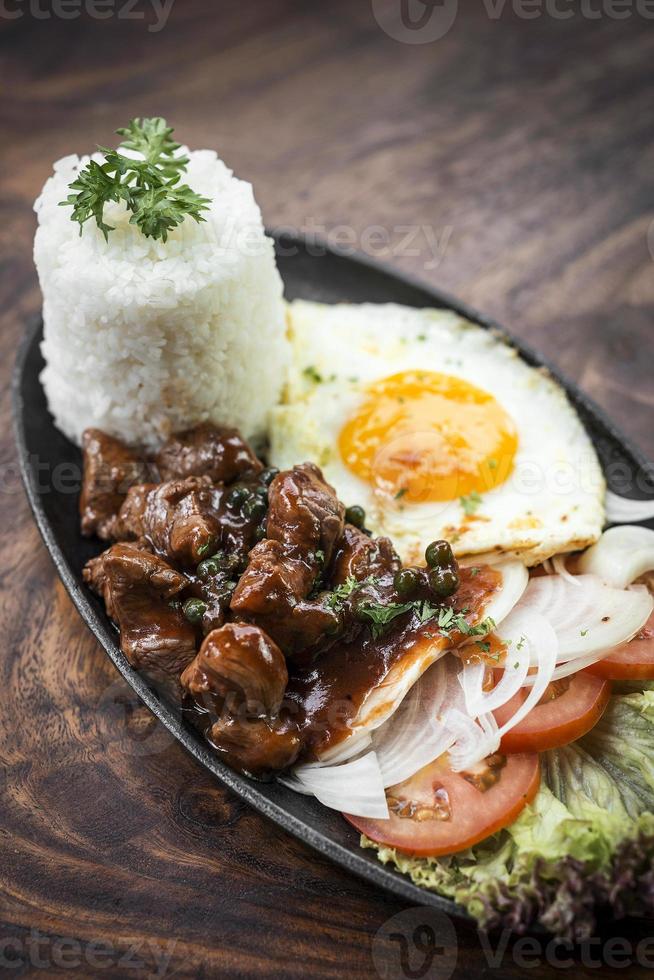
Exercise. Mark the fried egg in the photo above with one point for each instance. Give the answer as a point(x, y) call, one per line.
point(439, 429)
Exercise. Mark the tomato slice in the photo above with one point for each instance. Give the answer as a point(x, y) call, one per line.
point(558, 721)
point(633, 661)
point(439, 811)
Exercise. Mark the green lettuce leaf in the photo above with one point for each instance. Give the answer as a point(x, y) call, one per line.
point(585, 845)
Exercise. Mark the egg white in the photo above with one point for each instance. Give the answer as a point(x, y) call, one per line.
point(554, 500)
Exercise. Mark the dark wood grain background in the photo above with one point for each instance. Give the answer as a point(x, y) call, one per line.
point(520, 154)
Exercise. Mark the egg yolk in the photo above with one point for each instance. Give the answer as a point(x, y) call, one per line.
point(422, 436)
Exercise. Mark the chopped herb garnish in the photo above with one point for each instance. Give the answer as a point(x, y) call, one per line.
point(584, 632)
point(401, 493)
point(471, 503)
point(492, 463)
point(516, 665)
point(345, 590)
point(426, 611)
point(446, 618)
point(205, 548)
point(422, 336)
point(521, 642)
point(482, 629)
point(342, 592)
point(486, 626)
point(483, 645)
point(313, 375)
point(449, 620)
point(381, 616)
point(149, 185)
point(475, 570)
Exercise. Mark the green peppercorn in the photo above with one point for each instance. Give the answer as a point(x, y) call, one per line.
point(261, 493)
point(355, 515)
point(269, 475)
point(254, 509)
point(444, 582)
point(211, 566)
point(439, 555)
point(406, 582)
point(236, 497)
point(260, 532)
point(194, 610)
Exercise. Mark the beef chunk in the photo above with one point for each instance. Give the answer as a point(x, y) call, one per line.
point(110, 469)
point(207, 450)
point(179, 518)
point(239, 678)
point(186, 520)
point(305, 512)
point(305, 520)
point(256, 747)
point(359, 556)
point(129, 524)
point(271, 592)
point(138, 588)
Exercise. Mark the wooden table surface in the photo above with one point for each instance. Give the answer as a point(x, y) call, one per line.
point(518, 155)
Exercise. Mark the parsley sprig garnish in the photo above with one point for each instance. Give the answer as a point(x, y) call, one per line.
point(149, 186)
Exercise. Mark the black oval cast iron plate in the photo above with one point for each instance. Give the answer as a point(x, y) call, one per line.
point(310, 271)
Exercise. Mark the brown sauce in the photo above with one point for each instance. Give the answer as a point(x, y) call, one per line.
point(325, 699)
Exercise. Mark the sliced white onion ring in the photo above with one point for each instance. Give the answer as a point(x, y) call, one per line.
point(352, 747)
point(472, 677)
point(621, 555)
point(622, 510)
point(416, 734)
point(559, 566)
point(515, 579)
point(474, 739)
point(587, 616)
point(355, 787)
point(529, 636)
point(531, 640)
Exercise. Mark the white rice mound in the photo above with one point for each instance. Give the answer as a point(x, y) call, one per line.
point(144, 338)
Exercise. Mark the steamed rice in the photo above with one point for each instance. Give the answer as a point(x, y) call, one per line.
point(143, 338)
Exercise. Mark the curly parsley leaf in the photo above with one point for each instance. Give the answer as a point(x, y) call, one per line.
point(149, 186)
